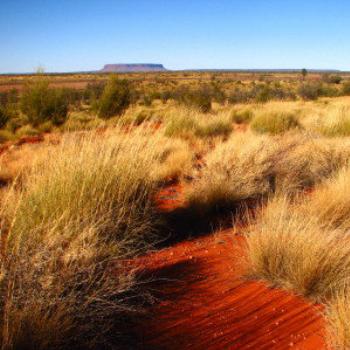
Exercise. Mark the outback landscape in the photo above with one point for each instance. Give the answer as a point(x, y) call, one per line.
point(174, 175)
point(169, 210)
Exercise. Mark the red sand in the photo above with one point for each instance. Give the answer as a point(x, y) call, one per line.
point(205, 303)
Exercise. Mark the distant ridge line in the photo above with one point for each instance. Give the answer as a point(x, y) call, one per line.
point(133, 67)
point(164, 70)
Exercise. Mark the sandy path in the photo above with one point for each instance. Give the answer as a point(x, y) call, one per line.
point(206, 304)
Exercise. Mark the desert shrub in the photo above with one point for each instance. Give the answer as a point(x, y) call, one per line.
point(242, 116)
point(310, 91)
point(115, 99)
point(94, 91)
point(8, 97)
point(332, 79)
point(274, 122)
point(74, 96)
point(84, 205)
point(199, 98)
point(40, 103)
point(239, 95)
point(260, 93)
point(217, 93)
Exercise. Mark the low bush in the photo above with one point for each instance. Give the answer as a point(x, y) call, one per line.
point(115, 99)
point(310, 91)
point(332, 79)
point(41, 103)
point(94, 91)
point(274, 122)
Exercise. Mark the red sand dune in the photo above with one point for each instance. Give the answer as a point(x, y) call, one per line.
point(205, 303)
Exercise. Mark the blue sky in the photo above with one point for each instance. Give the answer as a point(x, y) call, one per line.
point(71, 35)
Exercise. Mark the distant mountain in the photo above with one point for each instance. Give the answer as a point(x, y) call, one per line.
point(140, 67)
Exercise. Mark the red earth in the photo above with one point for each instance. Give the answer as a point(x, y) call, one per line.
point(204, 301)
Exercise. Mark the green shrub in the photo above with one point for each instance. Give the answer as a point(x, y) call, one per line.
point(332, 79)
point(239, 95)
point(274, 123)
point(115, 99)
point(242, 116)
point(195, 98)
point(93, 91)
point(310, 91)
point(40, 103)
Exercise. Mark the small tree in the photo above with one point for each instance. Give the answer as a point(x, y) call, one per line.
point(115, 99)
point(304, 73)
point(40, 103)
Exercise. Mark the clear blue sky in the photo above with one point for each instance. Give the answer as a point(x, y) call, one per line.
point(70, 35)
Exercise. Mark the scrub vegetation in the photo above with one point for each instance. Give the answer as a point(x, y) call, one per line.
point(81, 170)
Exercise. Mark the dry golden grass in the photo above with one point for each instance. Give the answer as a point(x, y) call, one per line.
point(174, 161)
point(83, 206)
point(250, 166)
point(190, 123)
point(330, 202)
point(287, 248)
point(338, 319)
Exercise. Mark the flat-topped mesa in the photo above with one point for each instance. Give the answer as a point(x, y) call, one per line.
point(141, 67)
